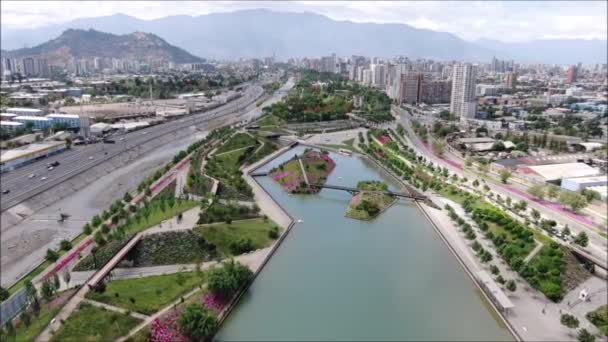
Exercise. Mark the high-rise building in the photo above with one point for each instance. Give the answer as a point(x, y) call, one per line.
point(329, 64)
point(377, 75)
point(411, 87)
point(367, 77)
point(511, 80)
point(434, 92)
point(571, 74)
point(463, 103)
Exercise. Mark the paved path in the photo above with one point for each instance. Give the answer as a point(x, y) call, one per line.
point(115, 308)
point(532, 254)
point(189, 221)
point(231, 151)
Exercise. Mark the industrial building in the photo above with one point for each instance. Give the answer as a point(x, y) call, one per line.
point(25, 111)
point(554, 173)
point(10, 125)
point(70, 120)
point(579, 183)
point(17, 157)
point(38, 122)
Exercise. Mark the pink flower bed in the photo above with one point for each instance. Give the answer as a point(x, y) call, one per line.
point(384, 139)
point(213, 302)
point(278, 176)
point(166, 329)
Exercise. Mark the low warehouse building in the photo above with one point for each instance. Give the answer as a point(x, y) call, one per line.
point(17, 157)
point(576, 184)
point(554, 173)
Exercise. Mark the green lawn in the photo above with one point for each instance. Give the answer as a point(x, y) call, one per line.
point(237, 141)
point(23, 333)
point(222, 234)
point(89, 323)
point(150, 293)
point(157, 215)
point(143, 335)
point(270, 121)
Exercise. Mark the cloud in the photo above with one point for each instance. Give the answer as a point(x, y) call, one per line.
point(506, 21)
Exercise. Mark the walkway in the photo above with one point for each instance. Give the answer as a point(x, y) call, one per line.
point(532, 254)
point(303, 171)
point(115, 309)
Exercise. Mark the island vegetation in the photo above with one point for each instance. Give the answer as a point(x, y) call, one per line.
point(300, 174)
point(370, 201)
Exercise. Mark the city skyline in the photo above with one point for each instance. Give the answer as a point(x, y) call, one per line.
point(510, 21)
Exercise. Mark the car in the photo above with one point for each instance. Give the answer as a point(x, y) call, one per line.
point(90, 158)
point(43, 178)
point(121, 139)
point(144, 133)
point(50, 168)
point(55, 163)
point(31, 176)
point(4, 192)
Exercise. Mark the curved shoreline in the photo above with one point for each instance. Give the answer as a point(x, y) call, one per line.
point(280, 152)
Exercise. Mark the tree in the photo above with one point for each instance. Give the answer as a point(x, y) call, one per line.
point(51, 255)
point(476, 183)
point(468, 162)
point(4, 294)
point(498, 146)
point(25, 318)
point(46, 290)
point(68, 101)
point(537, 191)
point(225, 281)
point(56, 282)
point(67, 277)
point(87, 230)
point(573, 200)
point(511, 286)
point(585, 336)
point(582, 239)
point(65, 245)
point(535, 214)
point(569, 321)
point(566, 231)
point(9, 328)
point(198, 323)
point(127, 197)
point(439, 147)
point(505, 175)
point(552, 191)
point(590, 195)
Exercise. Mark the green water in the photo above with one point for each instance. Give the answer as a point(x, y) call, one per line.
point(335, 278)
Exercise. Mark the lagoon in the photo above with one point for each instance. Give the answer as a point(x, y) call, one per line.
point(335, 278)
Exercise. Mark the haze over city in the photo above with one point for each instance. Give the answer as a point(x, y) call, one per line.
point(303, 170)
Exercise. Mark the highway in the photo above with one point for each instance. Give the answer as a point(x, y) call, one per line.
point(82, 158)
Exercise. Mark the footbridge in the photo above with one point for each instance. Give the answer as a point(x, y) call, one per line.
point(355, 190)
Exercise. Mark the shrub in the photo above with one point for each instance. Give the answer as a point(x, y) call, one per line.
point(51, 255)
point(65, 245)
point(241, 246)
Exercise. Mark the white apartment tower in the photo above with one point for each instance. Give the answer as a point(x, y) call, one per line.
point(463, 103)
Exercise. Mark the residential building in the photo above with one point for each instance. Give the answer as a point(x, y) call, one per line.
point(463, 103)
point(37, 122)
point(571, 74)
point(377, 75)
point(434, 92)
point(411, 86)
point(70, 120)
point(511, 80)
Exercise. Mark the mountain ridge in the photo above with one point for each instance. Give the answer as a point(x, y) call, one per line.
point(78, 44)
point(261, 32)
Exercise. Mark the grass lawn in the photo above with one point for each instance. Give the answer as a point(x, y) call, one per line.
point(381, 201)
point(599, 318)
point(237, 141)
point(143, 335)
point(157, 215)
point(150, 293)
point(43, 266)
point(222, 234)
point(270, 121)
point(89, 323)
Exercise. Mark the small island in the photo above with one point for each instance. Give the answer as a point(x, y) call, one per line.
point(370, 201)
point(299, 174)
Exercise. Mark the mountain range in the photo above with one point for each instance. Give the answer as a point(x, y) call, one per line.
point(259, 33)
point(77, 44)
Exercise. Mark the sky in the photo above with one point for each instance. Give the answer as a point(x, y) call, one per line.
point(509, 21)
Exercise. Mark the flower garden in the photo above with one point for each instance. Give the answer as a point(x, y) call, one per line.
point(317, 165)
point(370, 202)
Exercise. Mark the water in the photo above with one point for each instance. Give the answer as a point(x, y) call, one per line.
point(335, 278)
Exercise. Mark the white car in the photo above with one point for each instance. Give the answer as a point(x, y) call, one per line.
point(43, 178)
point(90, 158)
point(31, 176)
point(50, 168)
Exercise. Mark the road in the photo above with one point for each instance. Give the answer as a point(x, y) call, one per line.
point(27, 235)
point(83, 158)
point(597, 244)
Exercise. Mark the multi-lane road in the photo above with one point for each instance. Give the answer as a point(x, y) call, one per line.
point(30, 180)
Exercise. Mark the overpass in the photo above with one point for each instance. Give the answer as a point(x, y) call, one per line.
point(387, 192)
point(109, 266)
point(581, 253)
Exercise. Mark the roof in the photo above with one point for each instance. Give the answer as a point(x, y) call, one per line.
point(475, 140)
point(24, 151)
point(8, 115)
point(511, 162)
point(24, 110)
point(560, 171)
point(10, 123)
point(31, 118)
point(589, 179)
point(590, 146)
point(64, 116)
point(495, 290)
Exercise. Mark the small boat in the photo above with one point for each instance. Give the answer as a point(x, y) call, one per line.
point(300, 221)
point(345, 152)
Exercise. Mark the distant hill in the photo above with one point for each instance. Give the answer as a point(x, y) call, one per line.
point(259, 33)
point(77, 44)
